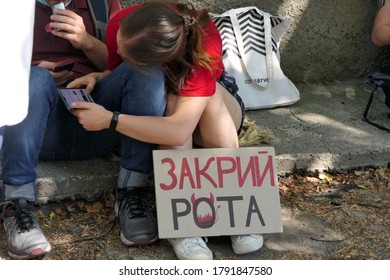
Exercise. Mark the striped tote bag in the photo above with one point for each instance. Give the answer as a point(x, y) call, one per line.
point(251, 39)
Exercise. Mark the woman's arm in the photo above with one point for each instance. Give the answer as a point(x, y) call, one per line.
point(173, 130)
point(381, 30)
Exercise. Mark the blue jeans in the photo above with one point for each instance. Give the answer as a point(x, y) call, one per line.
point(50, 132)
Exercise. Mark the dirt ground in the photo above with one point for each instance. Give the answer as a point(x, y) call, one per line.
point(355, 204)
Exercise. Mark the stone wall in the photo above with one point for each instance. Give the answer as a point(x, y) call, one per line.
point(329, 40)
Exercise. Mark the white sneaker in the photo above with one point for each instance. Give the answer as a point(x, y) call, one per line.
point(191, 248)
point(244, 244)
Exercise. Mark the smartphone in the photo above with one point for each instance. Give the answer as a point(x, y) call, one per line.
point(69, 95)
point(64, 65)
point(59, 6)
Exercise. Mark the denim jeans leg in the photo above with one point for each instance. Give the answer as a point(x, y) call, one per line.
point(66, 139)
point(137, 93)
point(23, 141)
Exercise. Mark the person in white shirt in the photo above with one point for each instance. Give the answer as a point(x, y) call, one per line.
point(15, 58)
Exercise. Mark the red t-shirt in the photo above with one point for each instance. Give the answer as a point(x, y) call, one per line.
point(200, 81)
point(48, 47)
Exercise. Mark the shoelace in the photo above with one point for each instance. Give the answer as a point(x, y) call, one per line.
point(23, 216)
point(196, 240)
point(237, 238)
point(135, 204)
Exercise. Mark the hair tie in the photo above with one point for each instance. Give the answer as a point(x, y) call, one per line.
point(189, 21)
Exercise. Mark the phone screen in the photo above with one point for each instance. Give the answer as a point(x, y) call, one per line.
point(69, 95)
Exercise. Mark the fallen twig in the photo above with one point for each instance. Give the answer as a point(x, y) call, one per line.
point(366, 205)
point(87, 238)
point(326, 240)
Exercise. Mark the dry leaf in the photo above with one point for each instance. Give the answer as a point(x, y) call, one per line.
point(81, 204)
point(69, 207)
point(358, 172)
point(385, 203)
point(312, 179)
point(85, 232)
point(52, 215)
point(59, 211)
point(94, 208)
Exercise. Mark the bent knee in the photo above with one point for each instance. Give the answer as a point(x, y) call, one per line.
point(41, 82)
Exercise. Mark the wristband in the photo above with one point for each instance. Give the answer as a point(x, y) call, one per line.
point(114, 120)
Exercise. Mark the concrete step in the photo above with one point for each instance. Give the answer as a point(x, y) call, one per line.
point(324, 130)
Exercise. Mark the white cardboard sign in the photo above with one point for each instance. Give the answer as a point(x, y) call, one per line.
point(213, 192)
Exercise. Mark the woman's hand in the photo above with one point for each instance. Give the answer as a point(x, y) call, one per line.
point(88, 81)
point(92, 116)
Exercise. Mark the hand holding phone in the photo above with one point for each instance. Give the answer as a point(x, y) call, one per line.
point(70, 95)
point(64, 65)
point(59, 6)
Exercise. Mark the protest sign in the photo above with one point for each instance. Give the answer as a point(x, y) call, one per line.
point(212, 192)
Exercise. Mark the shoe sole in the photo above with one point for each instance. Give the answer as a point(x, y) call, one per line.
point(140, 241)
point(38, 253)
point(198, 258)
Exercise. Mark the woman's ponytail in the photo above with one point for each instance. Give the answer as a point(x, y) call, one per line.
point(194, 20)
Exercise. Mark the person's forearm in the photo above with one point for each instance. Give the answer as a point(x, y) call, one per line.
point(157, 130)
point(101, 75)
point(97, 53)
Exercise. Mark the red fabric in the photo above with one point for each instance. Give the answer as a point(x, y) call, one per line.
point(51, 48)
point(200, 81)
point(114, 59)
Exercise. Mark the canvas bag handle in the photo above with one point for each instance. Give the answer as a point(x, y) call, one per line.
point(251, 65)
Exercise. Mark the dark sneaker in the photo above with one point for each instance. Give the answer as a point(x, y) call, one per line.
point(137, 222)
point(25, 238)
